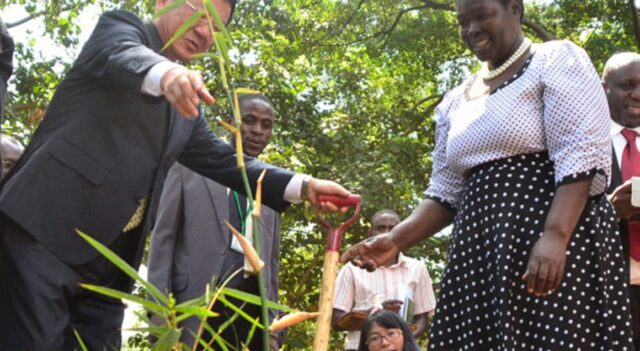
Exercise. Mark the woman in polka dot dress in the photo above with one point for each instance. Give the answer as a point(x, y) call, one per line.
point(521, 163)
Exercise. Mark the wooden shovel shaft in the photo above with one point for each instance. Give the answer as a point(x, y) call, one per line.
point(323, 322)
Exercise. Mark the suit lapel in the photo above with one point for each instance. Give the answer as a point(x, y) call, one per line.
point(266, 234)
point(218, 196)
point(616, 174)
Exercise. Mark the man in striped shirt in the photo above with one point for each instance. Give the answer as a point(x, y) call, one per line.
point(359, 292)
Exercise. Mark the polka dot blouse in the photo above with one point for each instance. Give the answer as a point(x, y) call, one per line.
point(556, 103)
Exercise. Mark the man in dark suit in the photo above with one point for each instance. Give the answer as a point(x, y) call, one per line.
point(191, 245)
point(124, 113)
point(621, 80)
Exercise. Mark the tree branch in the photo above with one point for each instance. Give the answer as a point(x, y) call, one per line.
point(438, 6)
point(393, 26)
point(540, 31)
point(343, 26)
point(634, 20)
point(537, 28)
point(423, 100)
point(33, 16)
point(383, 32)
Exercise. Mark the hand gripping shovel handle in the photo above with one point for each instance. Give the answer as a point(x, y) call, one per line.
point(334, 236)
point(323, 322)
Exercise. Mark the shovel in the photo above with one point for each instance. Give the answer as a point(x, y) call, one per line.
point(334, 237)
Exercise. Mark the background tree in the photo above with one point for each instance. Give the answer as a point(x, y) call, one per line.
point(355, 83)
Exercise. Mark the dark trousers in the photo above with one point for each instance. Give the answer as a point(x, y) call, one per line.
point(42, 303)
point(634, 296)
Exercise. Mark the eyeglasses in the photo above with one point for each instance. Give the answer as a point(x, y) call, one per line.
point(390, 335)
point(192, 6)
point(203, 20)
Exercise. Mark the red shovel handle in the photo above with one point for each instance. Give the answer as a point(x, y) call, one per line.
point(348, 201)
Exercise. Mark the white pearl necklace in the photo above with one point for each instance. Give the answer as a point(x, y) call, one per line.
point(488, 74)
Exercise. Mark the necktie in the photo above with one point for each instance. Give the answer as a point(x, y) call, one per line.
point(138, 215)
point(631, 168)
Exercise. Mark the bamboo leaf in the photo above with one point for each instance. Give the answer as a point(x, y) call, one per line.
point(125, 267)
point(229, 126)
point(172, 6)
point(239, 311)
point(250, 336)
point(116, 294)
point(168, 340)
point(82, 345)
point(254, 299)
point(220, 26)
point(207, 346)
point(198, 301)
point(190, 22)
point(204, 55)
point(241, 91)
point(195, 310)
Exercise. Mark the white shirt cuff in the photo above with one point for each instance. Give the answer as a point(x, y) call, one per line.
point(292, 191)
point(151, 83)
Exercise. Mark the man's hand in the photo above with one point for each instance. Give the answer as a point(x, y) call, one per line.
point(326, 187)
point(546, 264)
point(621, 200)
point(183, 89)
point(392, 305)
point(372, 253)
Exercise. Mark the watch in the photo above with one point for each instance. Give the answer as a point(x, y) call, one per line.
point(304, 188)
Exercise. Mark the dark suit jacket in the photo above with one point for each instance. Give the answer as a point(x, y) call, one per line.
point(103, 146)
point(616, 181)
point(190, 240)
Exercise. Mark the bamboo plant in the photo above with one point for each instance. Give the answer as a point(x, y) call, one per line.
point(164, 306)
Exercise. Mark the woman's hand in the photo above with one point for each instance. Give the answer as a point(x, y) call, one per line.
point(546, 264)
point(372, 252)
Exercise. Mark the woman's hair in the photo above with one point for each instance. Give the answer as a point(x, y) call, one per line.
point(387, 320)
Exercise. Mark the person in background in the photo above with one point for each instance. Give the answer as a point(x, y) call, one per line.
point(386, 331)
point(11, 150)
point(191, 245)
point(357, 290)
point(521, 164)
point(6, 69)
point(621, 81)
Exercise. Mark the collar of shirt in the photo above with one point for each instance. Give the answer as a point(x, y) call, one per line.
point(618, 141)
point(402, 262)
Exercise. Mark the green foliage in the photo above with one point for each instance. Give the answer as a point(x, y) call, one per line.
point(168, 333)
point(355, 84)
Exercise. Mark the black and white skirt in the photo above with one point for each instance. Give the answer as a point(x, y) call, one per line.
point(483, 303)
